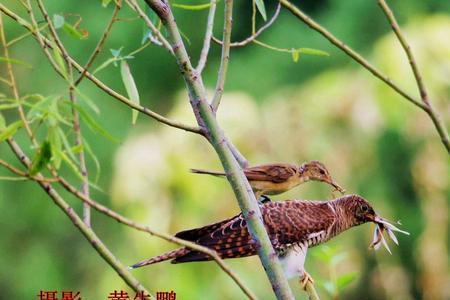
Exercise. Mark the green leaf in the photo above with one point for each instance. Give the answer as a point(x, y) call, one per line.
point(56, 146)
point(295, 55)
point(8, 106)
point(191, 7)
point(105, 3)
point(310, 51)
point(42, 158)
point(72, 166)
point(93, 125)
point(345, 279)
point(116, 52)
point(66, 144)
point(58, 21)
point(15, 61)
point(131, 88)
point(7, 132)
point(71, 31)
point(261, 8)
point(94, 158)
point(59, 60)
point(2, 123)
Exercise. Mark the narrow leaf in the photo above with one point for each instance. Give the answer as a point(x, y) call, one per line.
point(42, 158)
point(59, 60)
point(15, 61)
point(2, 123)
point(7, 132)
point(105, 3)
point(93, 125)
point(71, 31)
point(56, 146)
point(295, 55)
point(58, 21)
point(261, 8)
point(192, 7)
point(310, 51)
point(131, 88)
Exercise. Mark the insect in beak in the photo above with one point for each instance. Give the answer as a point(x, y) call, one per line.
point(381, 226)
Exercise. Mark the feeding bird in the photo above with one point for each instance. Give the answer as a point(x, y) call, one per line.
point(293, 226)
point(272, 179)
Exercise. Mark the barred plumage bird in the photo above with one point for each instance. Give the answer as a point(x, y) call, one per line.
point(272, 179)
point(293, 226)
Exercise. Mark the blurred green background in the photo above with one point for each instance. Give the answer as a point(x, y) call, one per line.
point(375, 144)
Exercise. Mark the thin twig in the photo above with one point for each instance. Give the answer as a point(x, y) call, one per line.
point(225, 58)
point(442, 130)
point(121, 219)
point(47, 44)
point(13, 84)
point(75, 115)
point(89, 234)
point(98, 48)
point(207, 39)
point(253, 37)
point(24, 174)
point(133, 4)
point(349, 51)
point(35, 30)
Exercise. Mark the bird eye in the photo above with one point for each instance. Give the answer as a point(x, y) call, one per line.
point(364, 208)
point(322, 172)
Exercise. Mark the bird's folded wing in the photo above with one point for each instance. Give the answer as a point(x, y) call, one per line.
point(287, 223)
point(274, 173)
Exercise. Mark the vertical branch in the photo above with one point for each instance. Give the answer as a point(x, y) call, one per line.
point(208, 36)
point(442, 130)
point(206, 119)
point(101, 42)
point(12, 83)
point(88, 233)
point(75, 115)
point(228, 22)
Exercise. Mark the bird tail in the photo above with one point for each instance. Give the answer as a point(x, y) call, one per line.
point(166, 256)
point(214, 173)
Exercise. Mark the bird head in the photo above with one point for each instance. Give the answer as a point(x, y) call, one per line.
point(315, 170)
point(361, 212)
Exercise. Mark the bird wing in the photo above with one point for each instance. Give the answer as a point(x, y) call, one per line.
point(274, 172)
point(287, 223)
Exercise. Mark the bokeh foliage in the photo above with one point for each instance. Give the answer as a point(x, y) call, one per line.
point(375, 144)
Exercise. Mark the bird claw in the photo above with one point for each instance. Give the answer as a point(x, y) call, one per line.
point(305, 279)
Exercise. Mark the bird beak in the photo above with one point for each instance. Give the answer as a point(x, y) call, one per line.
point(336, 186)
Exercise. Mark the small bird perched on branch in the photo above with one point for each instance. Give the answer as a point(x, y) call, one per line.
point(272, 179)
point(293, 226)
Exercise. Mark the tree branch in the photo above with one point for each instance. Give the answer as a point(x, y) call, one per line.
point(47, 44)
point(88, 233)
point(121, 219)
point(207, 39)
point(228, 22)
point(442, 130)
point(206, 119)
point(75, 115)
point(98, 48)
point(253, 37)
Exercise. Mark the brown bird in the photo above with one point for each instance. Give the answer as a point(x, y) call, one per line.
point(293, 226)
point(272, 179)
